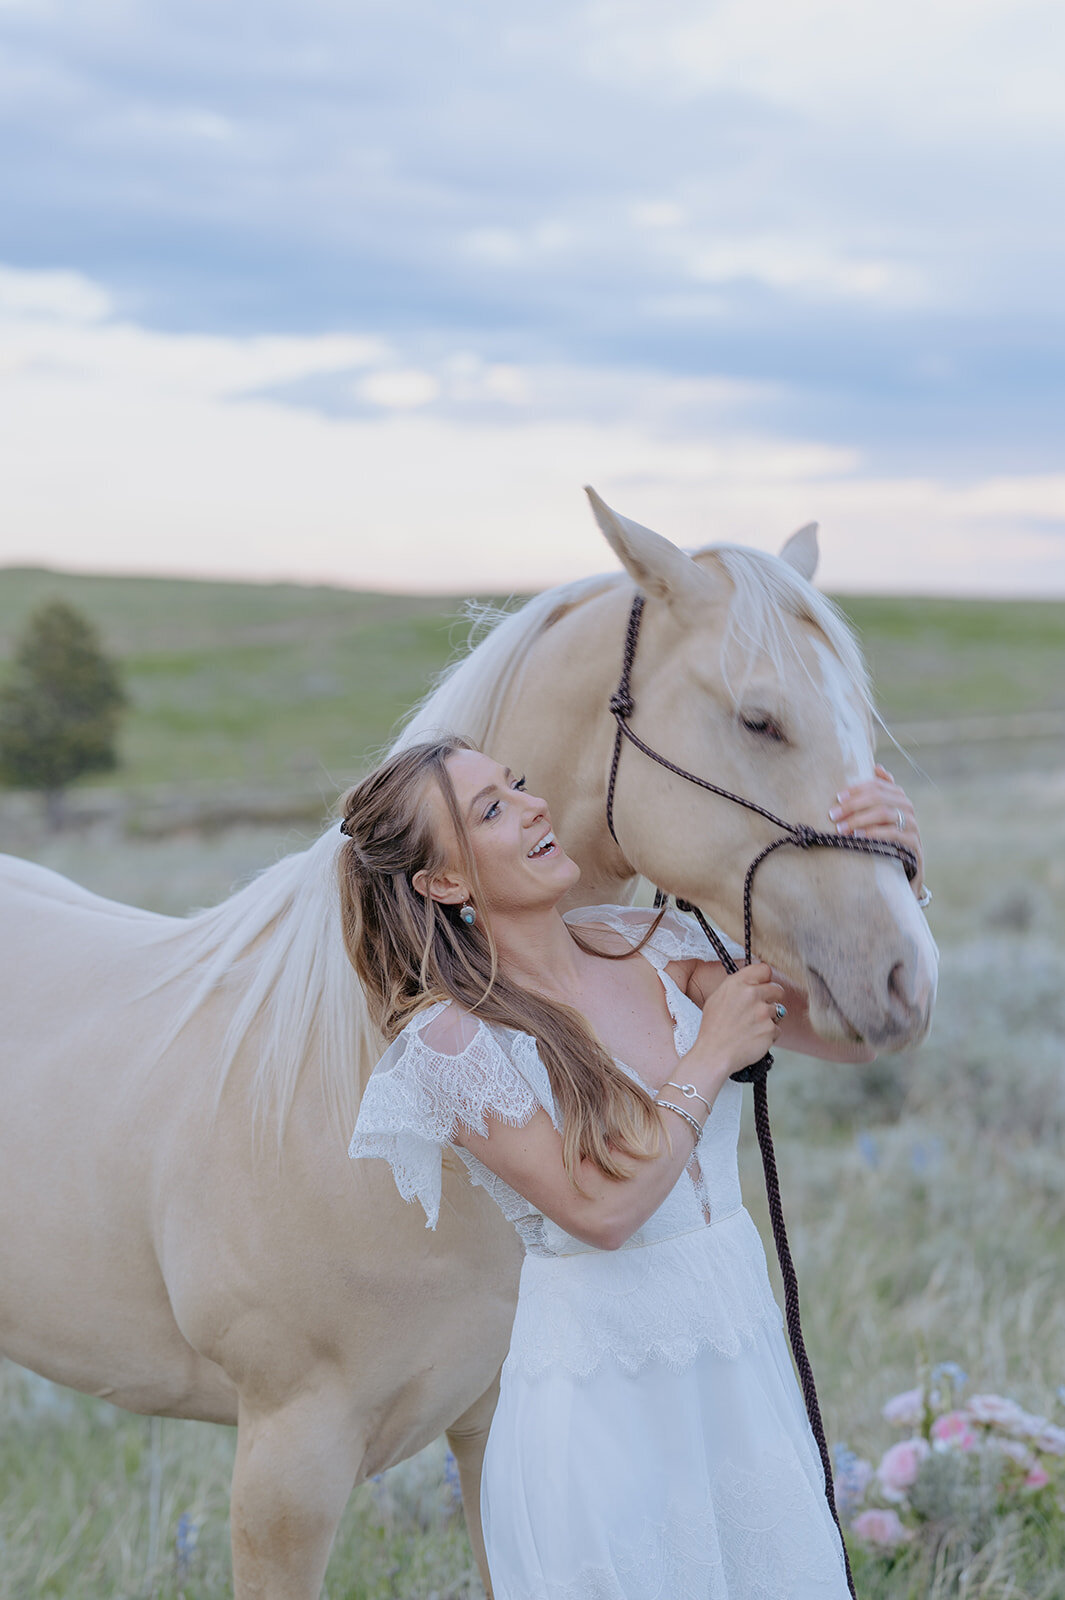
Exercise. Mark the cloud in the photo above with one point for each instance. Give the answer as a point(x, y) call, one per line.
point(920, 67)
point(754, 245)
point(67, 296)
point(131, 449)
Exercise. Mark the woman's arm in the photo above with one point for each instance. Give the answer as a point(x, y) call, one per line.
point(701, 979)
point(739, 1025)
point(529, 1159)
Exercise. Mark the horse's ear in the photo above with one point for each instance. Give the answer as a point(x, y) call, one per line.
point(801, 552)
point(661, 570)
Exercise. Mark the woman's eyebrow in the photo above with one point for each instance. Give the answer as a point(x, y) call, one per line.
point(489, 788)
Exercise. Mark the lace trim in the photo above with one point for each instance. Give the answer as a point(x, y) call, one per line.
point(417, 1094)
point(707, 1289)
point(761, 1534)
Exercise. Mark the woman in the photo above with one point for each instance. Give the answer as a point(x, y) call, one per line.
point(650, 1439)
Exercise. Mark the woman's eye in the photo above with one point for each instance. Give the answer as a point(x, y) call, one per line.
point(496, 806)
point(765, 727)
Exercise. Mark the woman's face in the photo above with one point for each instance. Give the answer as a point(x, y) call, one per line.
point(520, 863)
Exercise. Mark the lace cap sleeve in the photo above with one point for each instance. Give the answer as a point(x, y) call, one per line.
point(445, 1068)
point(678, 936)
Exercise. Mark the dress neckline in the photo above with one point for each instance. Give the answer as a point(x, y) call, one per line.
point(670, 988)
point(673, 992)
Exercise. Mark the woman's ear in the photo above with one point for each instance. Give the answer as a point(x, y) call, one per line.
point(445, 887)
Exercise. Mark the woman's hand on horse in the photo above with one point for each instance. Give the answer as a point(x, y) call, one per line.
point(740, 1020)
point(879, 808)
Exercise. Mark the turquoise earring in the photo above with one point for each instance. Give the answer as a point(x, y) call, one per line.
point(468, 914)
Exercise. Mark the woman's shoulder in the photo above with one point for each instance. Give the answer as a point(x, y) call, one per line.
point(445, 1027)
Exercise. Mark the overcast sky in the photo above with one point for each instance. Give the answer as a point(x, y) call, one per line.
point(365, 290)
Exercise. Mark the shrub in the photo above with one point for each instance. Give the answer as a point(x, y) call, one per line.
point(60, 709)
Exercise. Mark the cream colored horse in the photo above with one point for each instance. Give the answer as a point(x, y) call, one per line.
point(182, 1231)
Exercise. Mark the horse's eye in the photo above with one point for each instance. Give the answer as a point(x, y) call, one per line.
point(764, 726)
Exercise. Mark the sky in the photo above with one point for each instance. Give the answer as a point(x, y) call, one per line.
point(364, 291)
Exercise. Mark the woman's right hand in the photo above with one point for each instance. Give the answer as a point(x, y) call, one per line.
point(739, 1020)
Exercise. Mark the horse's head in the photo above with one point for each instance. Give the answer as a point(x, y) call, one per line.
point(747, 676)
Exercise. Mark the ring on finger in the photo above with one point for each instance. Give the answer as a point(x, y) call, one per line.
point(780, 1012)
point(900, 822)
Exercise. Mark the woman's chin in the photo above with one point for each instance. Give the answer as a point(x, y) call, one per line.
point(571, 877)
point(564, 875)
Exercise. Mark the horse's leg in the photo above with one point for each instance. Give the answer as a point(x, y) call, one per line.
point(467, 1438)
point(295, 1469)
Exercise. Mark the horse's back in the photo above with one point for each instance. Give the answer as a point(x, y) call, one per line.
point(26, 887)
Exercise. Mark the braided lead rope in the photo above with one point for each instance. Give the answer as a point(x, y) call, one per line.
point(756, 1074)
point(802, 837)
point(791, 1307)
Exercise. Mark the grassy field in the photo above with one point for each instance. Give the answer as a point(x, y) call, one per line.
point(925, 1193)
point(246, 684)
point(250, 686)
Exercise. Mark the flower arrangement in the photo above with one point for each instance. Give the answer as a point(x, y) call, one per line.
point(962, 1463)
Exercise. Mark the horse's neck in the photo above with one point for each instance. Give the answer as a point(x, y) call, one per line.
point(556, 723)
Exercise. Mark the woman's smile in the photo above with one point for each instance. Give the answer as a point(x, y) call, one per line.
point(547, 846)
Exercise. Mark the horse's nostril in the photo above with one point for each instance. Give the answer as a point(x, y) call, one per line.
point(898, 988)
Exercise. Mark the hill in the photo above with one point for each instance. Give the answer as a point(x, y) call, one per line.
point(281, 684)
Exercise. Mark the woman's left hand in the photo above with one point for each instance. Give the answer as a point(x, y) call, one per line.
point(878, 808)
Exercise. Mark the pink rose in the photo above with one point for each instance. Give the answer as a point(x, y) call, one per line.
point(905, 1410)
point(881, 1528)
point(900, 1465)
point(1037, 1477)
point(995, 1411)
point(951, 1431)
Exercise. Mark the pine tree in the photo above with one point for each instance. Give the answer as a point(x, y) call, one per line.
point(60, 708)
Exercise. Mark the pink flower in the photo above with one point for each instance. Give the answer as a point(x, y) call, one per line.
point(995, 1411)
point(1037, 1477)
point(900, 1465)
point(1050, 1438)
point(905, 1410)
point(882, 1528)
point(951, 1431)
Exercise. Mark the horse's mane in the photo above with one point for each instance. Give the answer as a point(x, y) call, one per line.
point(300, 997)
point(765, 588)
point(283, 928)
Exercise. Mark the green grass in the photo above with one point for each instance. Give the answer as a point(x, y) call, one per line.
point(92, 1501)
point(250, 683)
point(278, 684)
point(947, 658)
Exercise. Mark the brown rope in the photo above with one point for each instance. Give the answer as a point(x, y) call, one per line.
point(802, 837)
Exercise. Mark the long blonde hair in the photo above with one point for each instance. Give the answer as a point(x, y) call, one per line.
point(410, 950)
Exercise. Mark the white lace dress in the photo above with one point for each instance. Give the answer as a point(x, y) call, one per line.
point(650, 1441)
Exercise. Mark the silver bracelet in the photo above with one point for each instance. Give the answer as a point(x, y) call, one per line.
point(690, 1092)
point(925, 896)
point(668, 1104)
